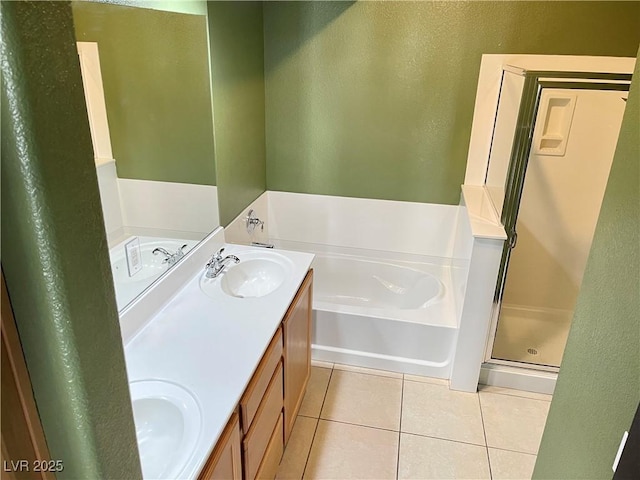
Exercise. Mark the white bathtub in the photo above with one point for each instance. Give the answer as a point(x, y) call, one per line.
point(383, 310)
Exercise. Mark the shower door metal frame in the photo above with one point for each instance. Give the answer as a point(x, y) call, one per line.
point(534, 84)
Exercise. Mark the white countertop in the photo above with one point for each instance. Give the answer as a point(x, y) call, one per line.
point(211, 347)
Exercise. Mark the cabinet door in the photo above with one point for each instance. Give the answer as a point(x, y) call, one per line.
point(225, 462)
point(297, 352)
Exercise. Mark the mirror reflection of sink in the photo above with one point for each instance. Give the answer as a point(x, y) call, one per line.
point(152, 265)
point(257, 275)
point(168, 424)
point(129, 287)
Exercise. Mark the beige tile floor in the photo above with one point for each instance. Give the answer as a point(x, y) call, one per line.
point(370, 424)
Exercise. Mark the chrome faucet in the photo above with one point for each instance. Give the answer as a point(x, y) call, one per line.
point(252, 221)
point(170, 258)
point(216, 265)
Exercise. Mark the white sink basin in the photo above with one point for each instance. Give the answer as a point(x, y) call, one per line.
point(168, 423)
point(258, 274)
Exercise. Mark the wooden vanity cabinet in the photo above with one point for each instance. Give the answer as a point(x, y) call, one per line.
point(296, 328)
point(252, 444)
point(225, 463)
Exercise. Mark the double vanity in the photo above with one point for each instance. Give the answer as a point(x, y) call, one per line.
point(218, 371)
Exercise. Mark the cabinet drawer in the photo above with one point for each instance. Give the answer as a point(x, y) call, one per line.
point(256, 441)
point(260, 381)
point(273, 454)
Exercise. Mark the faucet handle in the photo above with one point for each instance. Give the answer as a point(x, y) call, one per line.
point(251, 221)
point(216, 257)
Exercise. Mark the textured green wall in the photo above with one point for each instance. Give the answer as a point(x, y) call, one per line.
point(598, 387)
point(55, 251)
point(237, 70)
point(196, 7)
point(157, 89)
point(375, 99)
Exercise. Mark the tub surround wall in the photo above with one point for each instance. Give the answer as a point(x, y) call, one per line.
point(236, 231)
point(382, 225)
point(175, 206)
point(136, 207)
point(389, 226)
point(462, 250)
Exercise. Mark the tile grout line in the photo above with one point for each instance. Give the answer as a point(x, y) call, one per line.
point(400, 430)
point(342, 422)
point(369, 373)
point(447, 440)
point(313, 439)
point(484, 433)
point(514, 451)
point(400, 377)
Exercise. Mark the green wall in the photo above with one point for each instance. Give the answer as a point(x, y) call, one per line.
point(237, 70)
point(196, 7)
point(375, 99)
point(598, 387)
point(157, 89)
point(55, 256)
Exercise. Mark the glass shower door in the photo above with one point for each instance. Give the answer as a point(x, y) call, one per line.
point(561, 156)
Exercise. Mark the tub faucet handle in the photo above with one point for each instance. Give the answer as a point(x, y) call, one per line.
point(252, 221)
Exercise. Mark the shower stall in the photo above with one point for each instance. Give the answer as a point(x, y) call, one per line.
point(553, 143)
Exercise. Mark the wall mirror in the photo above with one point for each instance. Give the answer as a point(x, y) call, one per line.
point(147, 83)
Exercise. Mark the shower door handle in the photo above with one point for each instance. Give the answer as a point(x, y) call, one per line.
point(513, 239)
